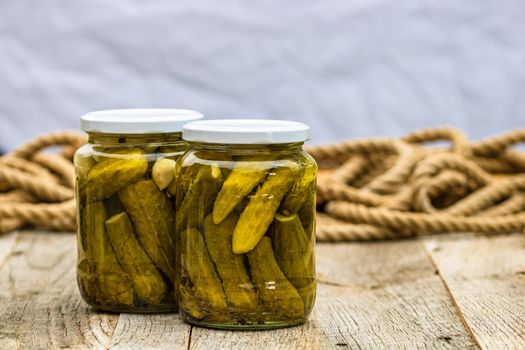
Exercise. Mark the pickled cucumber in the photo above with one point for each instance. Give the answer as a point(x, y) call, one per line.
point(308, 294)
point(237, 286)
point(303, 189)
point(197, 262)
point(258, 214)
point(193, 162)
point(153, 218)
point(184, 178)
point(104, 280)
point(307, 214)
point(294, 251)
point(186, 175)
point(239, 184)
point(111, 174)
point(274, 289)
point(146, 279)
point(191, 304)
point(198, 201)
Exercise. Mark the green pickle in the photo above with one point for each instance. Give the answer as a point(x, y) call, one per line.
point(113, 173)
point(295, 254)
point(230, 267)
point(199, 198)
point(197, 263)
point(102, 278)
point(153, 218)
point(307, 211)
point(191, 304)
point(239, 184)
point(246, 222)
point(146, 279)
point(282, 299)
point(300, 192)
point(258, 214)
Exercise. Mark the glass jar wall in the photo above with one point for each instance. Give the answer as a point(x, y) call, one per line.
point(245, 222)
point(125, 210)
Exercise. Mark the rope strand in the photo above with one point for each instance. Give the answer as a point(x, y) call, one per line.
point(372, 189)
point(468, 187)
point(36, 187)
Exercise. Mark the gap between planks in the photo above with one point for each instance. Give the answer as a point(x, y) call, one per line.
point(486, 278)
point(456, 306)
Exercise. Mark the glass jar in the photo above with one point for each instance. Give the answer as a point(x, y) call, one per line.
point(245, 224)
point(125, 208)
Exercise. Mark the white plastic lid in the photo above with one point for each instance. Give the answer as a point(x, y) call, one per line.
point(138, 120)
point(245, 131)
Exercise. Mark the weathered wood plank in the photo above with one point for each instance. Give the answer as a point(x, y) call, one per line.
point(7, 243)
point(374, 295)
point(162, 331)
point(41, 306)
point(486, 277)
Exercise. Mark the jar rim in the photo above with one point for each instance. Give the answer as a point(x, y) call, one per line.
point(138, 120)
point(245, 131)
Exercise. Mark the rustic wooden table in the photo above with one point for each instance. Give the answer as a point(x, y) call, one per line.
point(457, 292)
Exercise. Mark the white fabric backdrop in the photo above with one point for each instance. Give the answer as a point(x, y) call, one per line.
point(347, 68)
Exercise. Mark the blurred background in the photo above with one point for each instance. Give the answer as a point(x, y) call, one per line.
point(348, 68)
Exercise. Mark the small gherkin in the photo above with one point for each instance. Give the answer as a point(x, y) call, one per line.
point(237, 286)
point(198, 264)
point(199, 197)
point(294, 253)
point(273, 288)
point(153, 219)
point(241, 181)
point(100, 273)
point(113, 173)
point(146, 279)
point(259, 213)
point(302, 190)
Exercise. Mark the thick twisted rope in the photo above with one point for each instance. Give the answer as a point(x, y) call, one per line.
point(37, 187)
point(466, 187)
point(380, 188)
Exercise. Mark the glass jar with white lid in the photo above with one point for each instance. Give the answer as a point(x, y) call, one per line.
point(245, 223)
point(125, 208)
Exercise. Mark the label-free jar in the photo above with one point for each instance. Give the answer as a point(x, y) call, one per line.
point(245, 223)
point(125, 208)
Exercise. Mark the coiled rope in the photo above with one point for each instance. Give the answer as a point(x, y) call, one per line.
point(380, 188)
point(37, 184)
point(388, 188)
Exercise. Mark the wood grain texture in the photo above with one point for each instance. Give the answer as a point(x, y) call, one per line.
point(486, 277)
point(375, 295)
point(7, 243)
point(161, 331)
point(371, 296)
point(40, 303)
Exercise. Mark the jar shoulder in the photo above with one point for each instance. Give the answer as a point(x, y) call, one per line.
point(298, 159)
point(152, 152)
